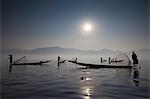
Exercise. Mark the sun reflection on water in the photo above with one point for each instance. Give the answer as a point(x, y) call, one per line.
point(87, 78)
point(87, 92)
point(86, 97)
point(87, 87)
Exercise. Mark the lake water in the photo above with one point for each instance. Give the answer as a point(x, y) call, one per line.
point(70, 81)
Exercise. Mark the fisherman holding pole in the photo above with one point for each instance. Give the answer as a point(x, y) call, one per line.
point(101, 59)
point(11, 61)
point(58, 61)
point(109, 60)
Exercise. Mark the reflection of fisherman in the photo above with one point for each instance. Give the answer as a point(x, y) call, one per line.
point(134, 58)
point(136, 76)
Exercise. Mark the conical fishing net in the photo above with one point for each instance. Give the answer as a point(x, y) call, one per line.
point(21, 60)
point(121, 59)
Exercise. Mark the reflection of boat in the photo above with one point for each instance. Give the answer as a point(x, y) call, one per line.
point(98, 65)
point(34, 63)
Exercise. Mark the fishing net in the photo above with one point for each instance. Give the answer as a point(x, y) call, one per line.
point(21, 60)
point(121, 59)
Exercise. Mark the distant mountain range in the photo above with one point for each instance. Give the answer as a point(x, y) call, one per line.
point(59, 50)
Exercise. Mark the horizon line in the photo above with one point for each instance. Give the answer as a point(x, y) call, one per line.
point(72, 48)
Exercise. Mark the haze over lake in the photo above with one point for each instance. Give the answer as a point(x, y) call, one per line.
point(74, 49)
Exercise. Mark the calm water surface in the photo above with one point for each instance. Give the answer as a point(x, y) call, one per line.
point(70, 81)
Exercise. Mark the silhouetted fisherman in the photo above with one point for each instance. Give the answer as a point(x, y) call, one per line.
point(134, 58)
point(109, 60)
point(76, 60)
point(58, 60)
point(101, 59)
point(10, 61)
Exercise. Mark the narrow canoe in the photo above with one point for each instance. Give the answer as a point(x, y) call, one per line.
point(98, 65)
point(35, 63)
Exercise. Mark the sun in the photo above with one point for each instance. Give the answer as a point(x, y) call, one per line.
point(87, 27)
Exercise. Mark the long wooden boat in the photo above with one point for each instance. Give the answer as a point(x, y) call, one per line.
point(98, 65)
point(34, 63)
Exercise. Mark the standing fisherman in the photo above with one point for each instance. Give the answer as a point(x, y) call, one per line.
point(11, 61)
point(101, 59)
point(134, 58)
point(58, 61)
point(76, 60)
point(109, 60)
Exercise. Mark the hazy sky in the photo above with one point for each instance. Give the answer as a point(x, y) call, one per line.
point(116, 24)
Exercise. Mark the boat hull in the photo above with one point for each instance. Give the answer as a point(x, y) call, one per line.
point(98, 65)
point(36, 63)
